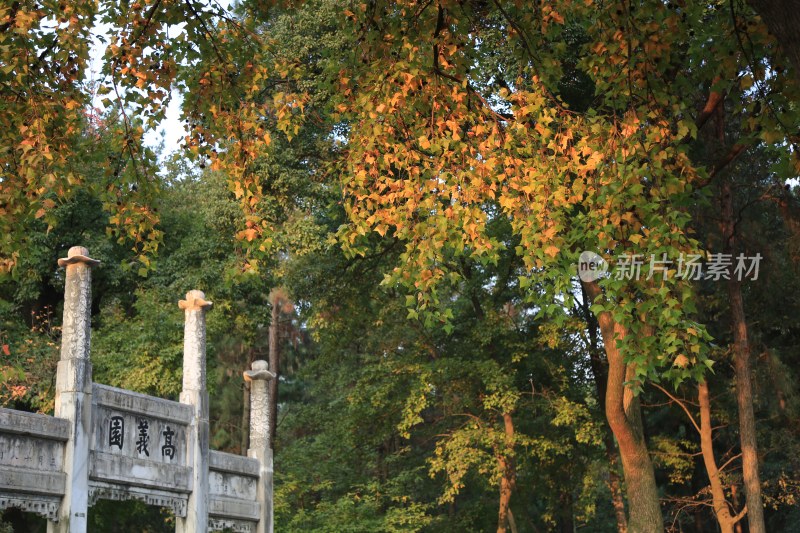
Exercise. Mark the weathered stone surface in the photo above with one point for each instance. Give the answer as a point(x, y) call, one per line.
point(76, 331)
point(239, 526)
point(25, 480)
point(149, 431)
point(259, 404)
point(260, 446)
point(133, 402)
point(233, 492)
point(236, 464)
point(74, 375)
point(195, 395)
point(32, 461)
point(77, 254)
point(35, 453)
point(194, 341)
point(138, 472)
point(33, 424)
point(139, 436)
point(73, 390)
point(220, 507)
point(44, 506)
point(232, 485)
point(103, 491)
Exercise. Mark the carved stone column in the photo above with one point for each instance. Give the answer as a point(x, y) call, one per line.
point(74, 390)
point(260, 446)
point(195, 394)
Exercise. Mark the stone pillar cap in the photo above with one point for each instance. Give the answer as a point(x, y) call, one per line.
point(195, 300)
point(77, 254)
point(260, 371)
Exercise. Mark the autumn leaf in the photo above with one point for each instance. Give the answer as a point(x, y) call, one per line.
point(551, 250)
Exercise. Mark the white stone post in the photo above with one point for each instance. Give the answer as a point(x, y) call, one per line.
point(195, 394)
point(74, 390)
point(260, 446)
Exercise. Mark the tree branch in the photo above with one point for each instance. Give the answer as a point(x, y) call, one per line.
point(680, 403)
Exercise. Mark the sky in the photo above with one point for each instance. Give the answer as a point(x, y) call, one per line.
point(171, 130)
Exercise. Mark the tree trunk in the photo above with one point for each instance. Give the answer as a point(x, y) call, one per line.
point(726, 521)
point(508, 480)
point(600, 375)
point(782, 18)
point(624, 418)
point(566, 519)
point(274, 363)
point(722, 510)
point(775, 374)
point(505, 498)
point(640, 479)
point(735, 501)
point(744, 388)
point(615, 486)
point(512, 524)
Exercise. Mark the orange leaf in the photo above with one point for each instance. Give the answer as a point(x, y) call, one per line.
point(551, 250)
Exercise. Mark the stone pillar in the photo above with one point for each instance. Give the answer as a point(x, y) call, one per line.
point(260, 446)
point(195, 394)
point(74, 390)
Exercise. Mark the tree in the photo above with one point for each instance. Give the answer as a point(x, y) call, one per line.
point(52, 136)
point(781, 18)
point(442, 131)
